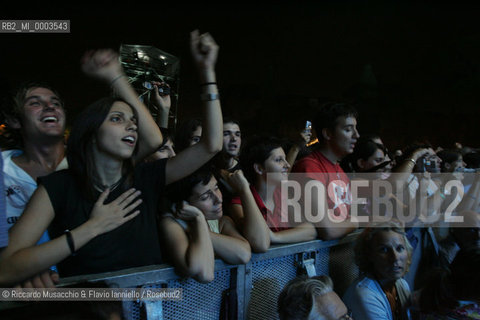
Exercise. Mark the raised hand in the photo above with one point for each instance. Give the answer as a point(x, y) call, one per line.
point(46, 279)
point(306, 135)
point(424, 152)
point(187, 212)
point(102, 64)
point(204, 50)
point(237, 181)
point(161, 100)
point(108, 217)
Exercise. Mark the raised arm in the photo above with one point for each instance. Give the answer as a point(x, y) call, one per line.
point(162, 102)
point(297, 146)
point(191, 251)
point(404, 170)
point(23, 259)
point(247, 215)
point(204, 51)
point(105, 65)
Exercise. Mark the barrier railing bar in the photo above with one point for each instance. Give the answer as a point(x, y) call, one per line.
point(135, 277)
point(240, 283)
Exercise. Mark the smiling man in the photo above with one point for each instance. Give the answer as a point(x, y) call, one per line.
point(38, 116)
point(336, 128)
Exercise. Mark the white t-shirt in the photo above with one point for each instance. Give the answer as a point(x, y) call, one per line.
point(19, 187)
point(3, 219)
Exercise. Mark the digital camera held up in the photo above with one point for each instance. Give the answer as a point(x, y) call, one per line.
point(428, 165)
point(162, 89)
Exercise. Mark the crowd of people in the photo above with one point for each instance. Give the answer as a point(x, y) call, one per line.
point(124, 190)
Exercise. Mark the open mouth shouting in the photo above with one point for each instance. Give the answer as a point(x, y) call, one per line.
point(232, 147)
point(130, 140)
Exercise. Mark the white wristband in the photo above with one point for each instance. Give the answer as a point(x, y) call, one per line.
point(209, 96)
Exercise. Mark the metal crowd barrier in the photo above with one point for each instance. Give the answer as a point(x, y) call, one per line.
point(247, 291)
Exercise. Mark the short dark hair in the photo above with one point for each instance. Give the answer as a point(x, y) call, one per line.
point(328, 115)
point(228, 119)
point(166, 136)
point(370, 136)
point(182, 189)
point(257, 149)
point(364, 149)
point(184, 133)
point(448, 156)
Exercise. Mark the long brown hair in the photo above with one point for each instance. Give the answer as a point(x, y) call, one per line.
point(80, 151)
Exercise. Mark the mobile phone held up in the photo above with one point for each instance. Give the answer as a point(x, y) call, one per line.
point(308, 127)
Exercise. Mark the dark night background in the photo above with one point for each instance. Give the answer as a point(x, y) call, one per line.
point(413, 67)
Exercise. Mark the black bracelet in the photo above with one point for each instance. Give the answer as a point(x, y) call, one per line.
point(71, 245)
point(208, 84)
point(114, 80)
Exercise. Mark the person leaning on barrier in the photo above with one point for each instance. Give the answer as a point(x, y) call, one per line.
point(35, 122)
point(196, 229)
point(106, 161)
point(383, 255)
point(305, 298)
point(336, 128)
point(257, 209)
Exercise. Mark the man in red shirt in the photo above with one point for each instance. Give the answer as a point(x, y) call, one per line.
point(336, 128)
